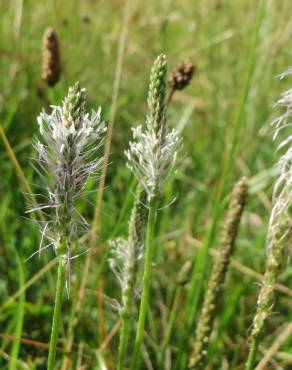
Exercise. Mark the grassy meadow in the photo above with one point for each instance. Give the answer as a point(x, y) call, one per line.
point(223, 116)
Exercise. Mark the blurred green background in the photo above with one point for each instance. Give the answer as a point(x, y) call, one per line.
point(237, 50)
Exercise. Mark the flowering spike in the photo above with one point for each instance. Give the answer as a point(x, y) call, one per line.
point(218, 273)
point(279, 234)
point(153, 152)
point(128, 253)
point(73, 106)
point(156, 94)
point(67, 155)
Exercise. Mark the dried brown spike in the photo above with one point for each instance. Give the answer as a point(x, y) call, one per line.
point(51, 68)
point(181, 75)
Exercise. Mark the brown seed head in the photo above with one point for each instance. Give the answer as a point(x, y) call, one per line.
point(51, 68)
point(181, 75)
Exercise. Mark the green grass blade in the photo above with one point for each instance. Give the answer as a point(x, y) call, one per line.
point(201, 260)
point(19, 315)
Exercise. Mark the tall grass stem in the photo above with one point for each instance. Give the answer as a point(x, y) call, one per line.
point(128, 254)
point(19, 315)
point(57, 312)
point(124, 337)
point(250, 365)
point(149, 248)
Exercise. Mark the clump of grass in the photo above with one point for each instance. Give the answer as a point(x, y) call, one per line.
point(67, 159)
point(152, 156)
point(217, 277)
point(51, 64)
point(279, 231)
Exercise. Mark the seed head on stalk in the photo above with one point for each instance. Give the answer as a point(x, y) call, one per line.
point(151, 157)
point(282, 194)
point(279, 235)
point(280, 224)
point(67, 158)
point(153, 151)
point(217, 277)
point(181, 75)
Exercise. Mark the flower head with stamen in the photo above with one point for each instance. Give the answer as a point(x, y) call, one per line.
point(153, 151)
point(67, 158)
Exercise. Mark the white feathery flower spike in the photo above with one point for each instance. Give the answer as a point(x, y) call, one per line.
point(127, 254)
point(282, 194)
point(120, 257)
point(279, 235)
point(151, 161)
point(67, 158)
point(153, 151)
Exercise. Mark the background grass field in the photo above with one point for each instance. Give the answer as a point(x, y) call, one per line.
point(238, 48)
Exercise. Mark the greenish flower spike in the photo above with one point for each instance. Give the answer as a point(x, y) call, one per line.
point(153, 151)
point(74, 106)
point(217, 277)
point(151, 157)
point(157, 93)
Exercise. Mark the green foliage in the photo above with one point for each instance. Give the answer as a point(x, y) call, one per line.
point(227, 108)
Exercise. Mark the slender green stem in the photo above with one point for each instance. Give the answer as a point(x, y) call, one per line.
point(171, 323)
point(146, 281)
point(130, 269)
point(57, 312)
point(252, 353)
point(19, 316)
point(124, 336)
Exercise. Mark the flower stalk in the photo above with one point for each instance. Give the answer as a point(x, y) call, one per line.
point(128, 254)
point(279, 235)
point(149, 249)
point(266, 295)
point(67, 159)
point(57, 312)
point(151, 157)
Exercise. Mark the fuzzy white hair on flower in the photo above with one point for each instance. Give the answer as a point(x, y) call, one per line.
point(67, 159)
point(152, 157)
point(125, 258)
point(282, 194)
point(153, 151)
point(119, 257)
